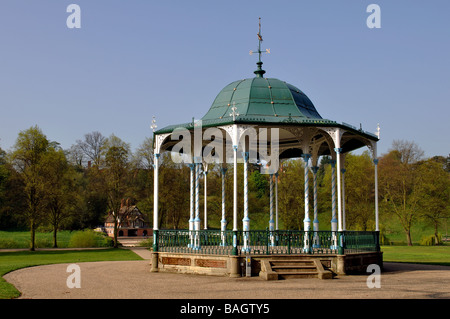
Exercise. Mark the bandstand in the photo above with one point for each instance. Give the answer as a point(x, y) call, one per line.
point(263, 120)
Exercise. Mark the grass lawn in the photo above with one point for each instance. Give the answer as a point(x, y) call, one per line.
point(437, 255)
point(21, 239)
point(10, 261)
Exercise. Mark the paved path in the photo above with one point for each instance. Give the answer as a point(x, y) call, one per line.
point(133, 280)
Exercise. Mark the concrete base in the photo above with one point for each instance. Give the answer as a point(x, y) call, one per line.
point(234, 266)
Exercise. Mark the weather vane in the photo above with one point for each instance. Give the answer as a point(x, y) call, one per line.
point(234, 112)
point(260, 39)
point(153, 126)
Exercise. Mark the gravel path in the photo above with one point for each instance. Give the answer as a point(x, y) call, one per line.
point(133, 280)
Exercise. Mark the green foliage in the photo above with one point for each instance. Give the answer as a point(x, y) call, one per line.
point(431, 240)
point(89, 238)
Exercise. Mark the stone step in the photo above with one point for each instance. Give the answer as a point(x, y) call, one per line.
point(293, 267)
point(297, 274)
point(298, 263)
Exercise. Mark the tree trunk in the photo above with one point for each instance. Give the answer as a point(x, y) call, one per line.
point(55, 243)
point(32, 232)
point(436, 237)
point(408, 237)
point(116, 227)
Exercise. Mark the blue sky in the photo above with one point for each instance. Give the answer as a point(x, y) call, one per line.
point(135, 59)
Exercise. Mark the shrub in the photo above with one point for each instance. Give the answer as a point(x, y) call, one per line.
point(43, 243)
point(430, 240)
point(83, 239)
point(8, 243)
point(384, 240)
point(104, 240)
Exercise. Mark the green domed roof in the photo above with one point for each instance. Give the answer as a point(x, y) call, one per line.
point(262, 99)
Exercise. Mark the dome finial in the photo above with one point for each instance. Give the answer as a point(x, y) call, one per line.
point(259, 72)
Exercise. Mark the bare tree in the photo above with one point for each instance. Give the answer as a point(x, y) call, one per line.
point(92, 146)
point(76, 156)
point(143, 158)
point(409, 151)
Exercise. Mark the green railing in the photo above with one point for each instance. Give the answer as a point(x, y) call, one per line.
point(360, 241)
point(264, 242)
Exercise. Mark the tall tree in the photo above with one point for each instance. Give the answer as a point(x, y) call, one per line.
point(91, 146)
point(399, 183)
point(30, 147)
point(291, 194)
point(4, 180)
point(114, 176)
point(59, 187)
point(359, 191)
point(434, 189)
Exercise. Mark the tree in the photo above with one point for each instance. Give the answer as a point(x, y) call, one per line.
point(59, 187)
point(30, 147)
point(408, 151)
point(174, 193)
point(291, 194)
point(434, 190)
point(143, 157)
point(113, 176)
point(91, 146)
point(399, 183)
point(359, 190)
point(4, 181)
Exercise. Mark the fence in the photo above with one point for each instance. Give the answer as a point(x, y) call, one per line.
point(265, 242)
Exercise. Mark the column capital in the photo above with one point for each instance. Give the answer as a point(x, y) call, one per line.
point(197, 160)
point(343, 170)
point(157, 155)
point(333, 163)
point(315, 169)
point(245, 156)
point(375, 161)
point(338, 150)
point(224, 170)
point(306, 157)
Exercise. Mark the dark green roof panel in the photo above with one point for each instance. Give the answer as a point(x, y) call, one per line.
point(262, 98)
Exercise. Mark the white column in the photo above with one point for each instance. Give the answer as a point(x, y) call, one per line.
point(246, 220)
point(306, 221)
point(271, 207)
point(155, 196)
point(223, 222)
point(191, 219)
point(377, 228)
point(339, 195)
point(205, 174)
point(316, 243)
point(276, 201)
point(343, 170)
point(333, 205)
point(235, 206)
point(197, 206)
